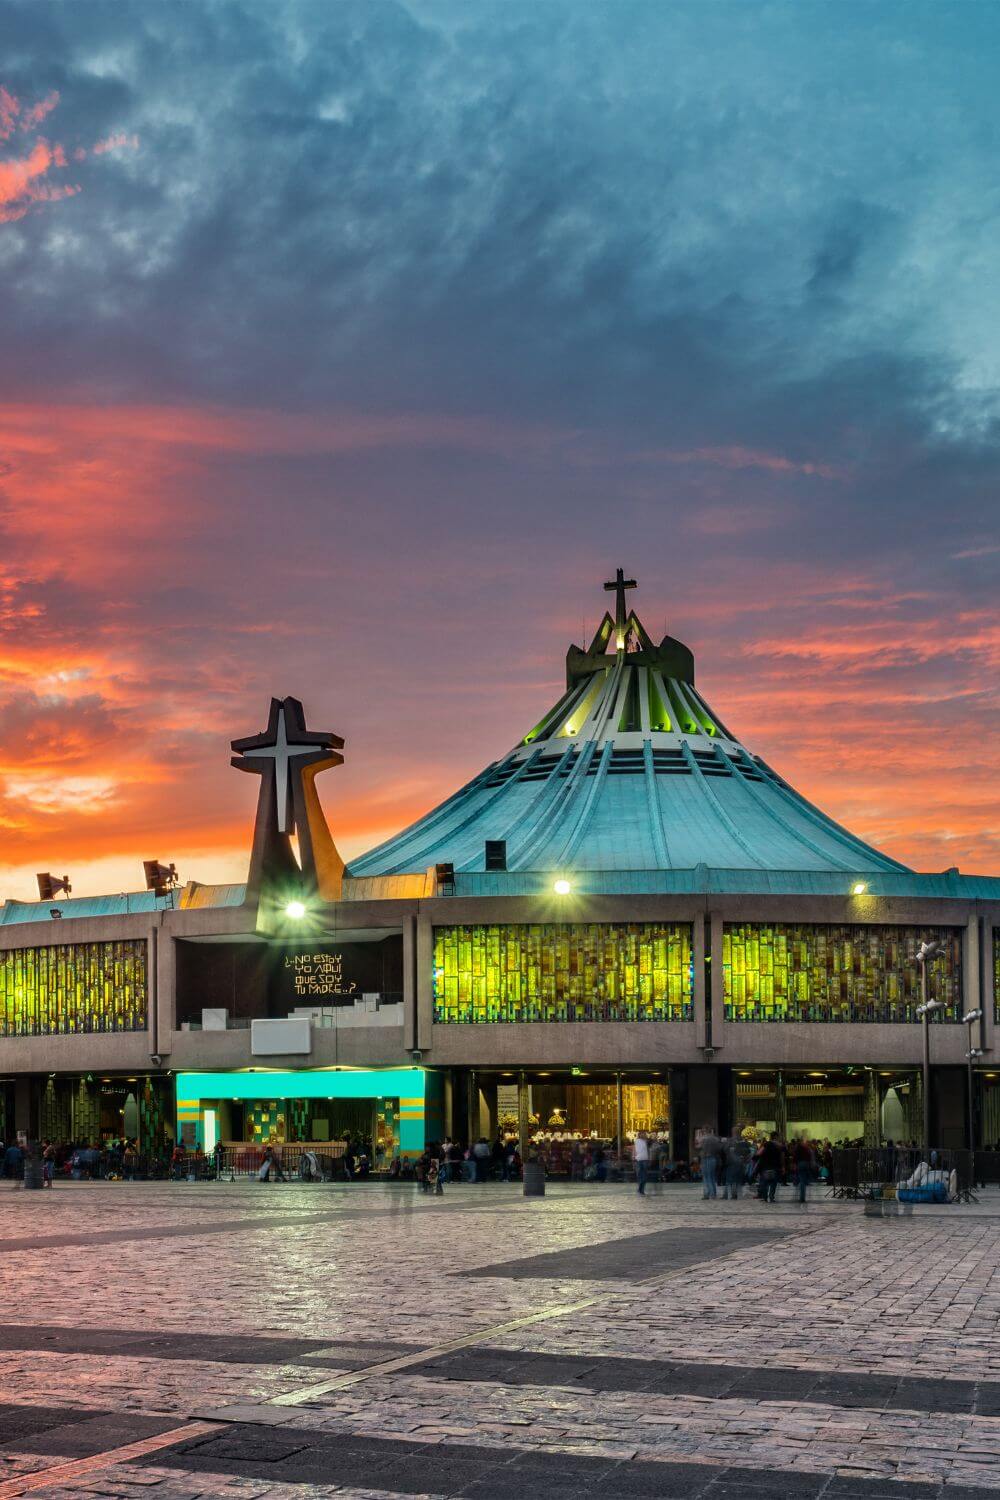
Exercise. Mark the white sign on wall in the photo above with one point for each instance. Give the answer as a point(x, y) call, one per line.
point(506, 1100)
point(274, 1038)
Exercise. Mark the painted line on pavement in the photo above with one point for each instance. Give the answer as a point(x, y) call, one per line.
point(308, 1393)
point(56, 1474)
point(305, 1394)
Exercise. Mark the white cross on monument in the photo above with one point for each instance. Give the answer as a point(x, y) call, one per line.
point(282, 752)
point(618, 587)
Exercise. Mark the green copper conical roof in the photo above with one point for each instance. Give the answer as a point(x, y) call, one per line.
point(630, 770)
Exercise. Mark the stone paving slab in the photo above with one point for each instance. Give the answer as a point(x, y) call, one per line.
point(637, 1258)
point(839, 1356)
point(195, 1345)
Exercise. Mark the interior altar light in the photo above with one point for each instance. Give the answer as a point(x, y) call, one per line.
point(296, 910)
point(562, 887)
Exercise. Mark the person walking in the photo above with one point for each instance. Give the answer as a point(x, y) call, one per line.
point(48, 1163)
point(481, 1155)
point(769, 1164)
point(737, 1156)
point(711, 1152)
point(804, 1158)
point(640, 1156)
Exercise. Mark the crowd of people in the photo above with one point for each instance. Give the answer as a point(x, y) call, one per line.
point(738, 1162)
point(116, 1158)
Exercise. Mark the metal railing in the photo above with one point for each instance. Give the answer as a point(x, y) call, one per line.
point(881, 1171)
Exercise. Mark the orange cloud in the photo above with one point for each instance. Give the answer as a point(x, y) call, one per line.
point(118, 142)
point(32, 117)
point(21, 178)
point(20, 184)
point(10, 108)
point(116, 711)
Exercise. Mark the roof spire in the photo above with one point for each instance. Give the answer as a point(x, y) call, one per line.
point(620, 584)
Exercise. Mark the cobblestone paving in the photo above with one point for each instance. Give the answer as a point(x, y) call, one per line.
point(340, 1341)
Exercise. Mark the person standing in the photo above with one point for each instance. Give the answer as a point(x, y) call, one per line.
point(481, 1155)
point(805, 1165)
point(769, 1162)
point(737, 1156)
point(711, 1151)
point(640, 1155)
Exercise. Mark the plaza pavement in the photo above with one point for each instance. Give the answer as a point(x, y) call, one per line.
point(249, 1339)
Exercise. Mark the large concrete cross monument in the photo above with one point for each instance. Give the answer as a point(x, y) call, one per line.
point(288, 757)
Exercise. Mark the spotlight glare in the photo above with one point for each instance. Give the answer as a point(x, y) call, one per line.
point(562, 887)
point(858, 889)
point(296, 910)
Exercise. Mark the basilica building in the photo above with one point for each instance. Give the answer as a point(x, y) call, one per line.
point(627, 921)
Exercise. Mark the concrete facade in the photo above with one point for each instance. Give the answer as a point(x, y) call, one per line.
point(706, 1046)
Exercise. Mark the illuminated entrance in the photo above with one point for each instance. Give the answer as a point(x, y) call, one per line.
point(846, 1106)
point(388, 1107)
point(563, 1105)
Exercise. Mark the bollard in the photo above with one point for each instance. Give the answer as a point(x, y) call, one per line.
point(533, 1175)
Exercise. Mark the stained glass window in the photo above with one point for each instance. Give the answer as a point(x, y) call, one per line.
point(819, 972)
point(73, 987)
point(636, 971)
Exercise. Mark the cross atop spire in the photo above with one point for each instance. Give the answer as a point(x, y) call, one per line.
point(620, 584)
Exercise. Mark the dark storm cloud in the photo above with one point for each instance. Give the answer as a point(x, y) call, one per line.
point(613, 206)
point(712, 287)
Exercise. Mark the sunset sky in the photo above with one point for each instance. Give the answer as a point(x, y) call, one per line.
point(348, 348)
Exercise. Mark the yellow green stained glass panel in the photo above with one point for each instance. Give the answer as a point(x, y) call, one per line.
point(73, 987)
point(821, 972)
point(635, 971)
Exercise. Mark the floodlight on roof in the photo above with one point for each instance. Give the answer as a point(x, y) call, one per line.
point(159, 878)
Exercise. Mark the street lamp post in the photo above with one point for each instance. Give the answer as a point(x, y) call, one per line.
point(970, 1018)
point(925, 953)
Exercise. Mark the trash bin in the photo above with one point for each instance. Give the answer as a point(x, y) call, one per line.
point(533, 1175)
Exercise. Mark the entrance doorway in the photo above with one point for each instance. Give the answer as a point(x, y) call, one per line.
point(847, 1106)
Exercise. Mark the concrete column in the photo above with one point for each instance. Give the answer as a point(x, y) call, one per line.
point(987, 985)
point(970, 969)
point(700, 1000)
point(472, 1106)
point(24, 1106)
point(164, 948)
point(718, 981)
point(872, 1113)
point(489, 1115)
point(780, 1106)
point(425, 982)
point(409, 982)
point(680, 1130)
point(703, 1099)
point(448, 1104)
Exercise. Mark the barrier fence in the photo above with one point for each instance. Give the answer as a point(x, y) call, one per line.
point(881, 1171)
